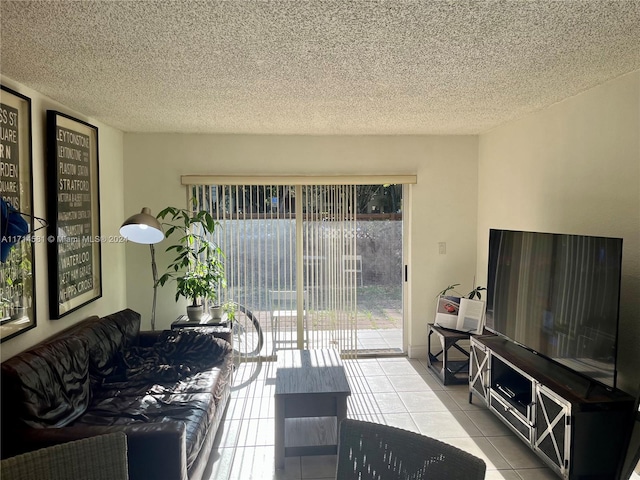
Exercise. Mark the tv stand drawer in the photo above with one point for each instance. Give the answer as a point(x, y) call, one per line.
point(510, 415)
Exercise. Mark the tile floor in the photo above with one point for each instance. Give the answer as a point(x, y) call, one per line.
point(388, 341)
point(396, 391)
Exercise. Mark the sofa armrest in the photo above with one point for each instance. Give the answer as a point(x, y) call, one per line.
point(154, 450)
point(224, 336)
point(157, 451)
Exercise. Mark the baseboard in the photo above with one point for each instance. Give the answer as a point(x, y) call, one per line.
point(417, 351)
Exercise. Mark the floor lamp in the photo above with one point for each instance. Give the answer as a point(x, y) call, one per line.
point(145, 228)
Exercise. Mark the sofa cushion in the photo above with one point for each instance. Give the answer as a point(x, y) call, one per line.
point(106, 338)
point(195, 410)
point(177, 355)
point(215, 380)
point(194, 401)
point(47, 385)
point(103, 341)
point(128, 322)
point(198, 349)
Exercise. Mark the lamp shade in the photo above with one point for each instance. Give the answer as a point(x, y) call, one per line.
point(142, 228)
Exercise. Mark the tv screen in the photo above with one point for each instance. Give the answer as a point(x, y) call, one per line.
point(559, 296)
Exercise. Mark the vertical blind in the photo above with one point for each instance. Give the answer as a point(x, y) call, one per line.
point(329, 242)
point(289, 238)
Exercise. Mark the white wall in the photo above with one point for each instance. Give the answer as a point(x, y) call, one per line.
point(573, 168)
point(111, 201)
point(443, 203)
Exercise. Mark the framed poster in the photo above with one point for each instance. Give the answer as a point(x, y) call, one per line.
point(75, 267)
point(17, 274)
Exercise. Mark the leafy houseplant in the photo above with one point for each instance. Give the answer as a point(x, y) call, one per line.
point(475, 293)
point(230, 309)
point(197, 268)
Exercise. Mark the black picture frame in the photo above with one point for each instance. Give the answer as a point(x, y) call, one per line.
point(17, 271)
point(73, 209)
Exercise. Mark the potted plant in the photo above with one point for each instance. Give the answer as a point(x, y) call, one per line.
point(230, 309)
point(475, 293)
point(198, 267)
point(460, 312)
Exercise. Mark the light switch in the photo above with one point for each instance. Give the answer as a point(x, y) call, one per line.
point(442, 248)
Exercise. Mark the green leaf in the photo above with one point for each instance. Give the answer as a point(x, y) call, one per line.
point(196, 267)
point(163, 213)
point(450, 287)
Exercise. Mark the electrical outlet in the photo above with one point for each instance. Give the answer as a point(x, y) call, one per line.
point(442, 248)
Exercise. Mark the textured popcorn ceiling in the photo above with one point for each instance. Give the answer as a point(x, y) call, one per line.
point(316, 67)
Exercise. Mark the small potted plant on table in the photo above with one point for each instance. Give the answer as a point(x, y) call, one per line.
point(475, 293)
point(197, 268)
point(458, 312)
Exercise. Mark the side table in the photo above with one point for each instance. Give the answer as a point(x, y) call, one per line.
point(449, 371)
point(310, 402)
point(206, 321)
point(220, 328)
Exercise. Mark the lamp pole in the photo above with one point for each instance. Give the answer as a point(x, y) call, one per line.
point(154, 272)
point(146, 229)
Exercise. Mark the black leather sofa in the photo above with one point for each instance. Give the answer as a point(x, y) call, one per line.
point(105, 375)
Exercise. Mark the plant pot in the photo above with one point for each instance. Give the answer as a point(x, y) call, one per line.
point(216, 312)
point(194, 313)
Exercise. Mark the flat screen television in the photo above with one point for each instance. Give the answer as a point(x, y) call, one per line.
point(557, 295)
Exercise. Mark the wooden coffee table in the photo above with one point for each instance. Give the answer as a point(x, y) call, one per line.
point(311, 385)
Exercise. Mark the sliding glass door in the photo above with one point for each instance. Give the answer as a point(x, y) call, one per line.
point(301, 258)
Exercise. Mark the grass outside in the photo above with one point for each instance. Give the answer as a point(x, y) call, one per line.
point(379, 308)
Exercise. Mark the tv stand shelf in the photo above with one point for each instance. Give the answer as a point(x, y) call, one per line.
point(577, 426)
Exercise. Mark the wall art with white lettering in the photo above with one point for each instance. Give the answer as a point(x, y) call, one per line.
point(17, 258)
point(75, 267)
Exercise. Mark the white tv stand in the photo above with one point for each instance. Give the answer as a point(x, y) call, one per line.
point(577, 426)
